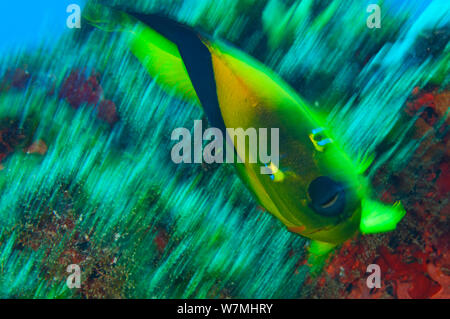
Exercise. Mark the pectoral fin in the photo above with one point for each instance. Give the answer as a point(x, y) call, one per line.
point(377, 217)
point(320, 248)
point(318, 253)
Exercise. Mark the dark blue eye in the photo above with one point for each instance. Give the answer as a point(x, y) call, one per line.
point(327, 196)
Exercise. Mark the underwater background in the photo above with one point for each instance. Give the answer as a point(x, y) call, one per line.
point(86, 176)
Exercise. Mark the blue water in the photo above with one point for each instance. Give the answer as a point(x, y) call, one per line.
point(27, 23)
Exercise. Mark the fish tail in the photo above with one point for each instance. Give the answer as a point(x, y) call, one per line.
point(105, 18)
point(153, 40)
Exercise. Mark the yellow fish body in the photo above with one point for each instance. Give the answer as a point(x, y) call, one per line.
point(316, 190)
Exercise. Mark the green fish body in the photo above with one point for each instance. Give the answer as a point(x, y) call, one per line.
point(316, 190)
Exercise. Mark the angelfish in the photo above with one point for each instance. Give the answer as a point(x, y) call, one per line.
point(316, 190)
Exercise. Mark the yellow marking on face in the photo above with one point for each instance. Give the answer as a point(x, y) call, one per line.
point(278, 175)
point(316, 146)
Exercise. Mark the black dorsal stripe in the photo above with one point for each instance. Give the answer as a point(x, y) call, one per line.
point(196, 58)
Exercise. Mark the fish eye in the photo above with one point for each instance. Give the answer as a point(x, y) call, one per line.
point(327, 196)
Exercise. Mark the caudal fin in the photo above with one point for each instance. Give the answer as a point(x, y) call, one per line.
point(159, 55)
